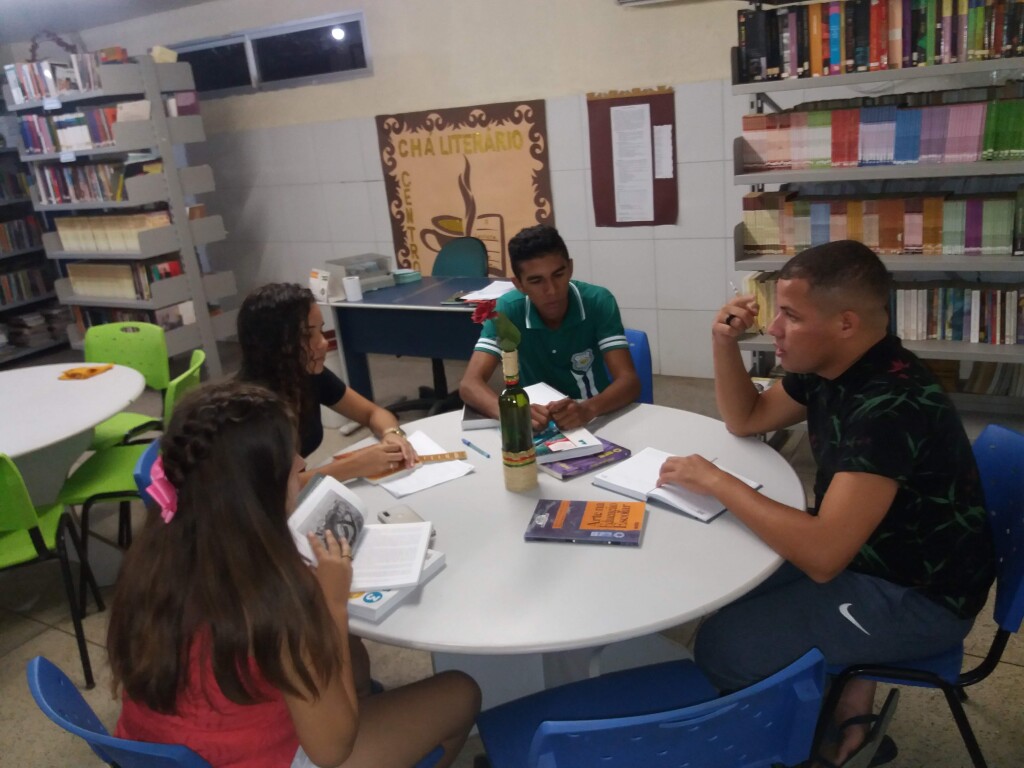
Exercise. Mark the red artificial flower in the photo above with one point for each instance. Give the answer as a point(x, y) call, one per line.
point(484, 311)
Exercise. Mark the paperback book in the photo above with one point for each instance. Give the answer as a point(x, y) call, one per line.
point(565, 469)
point(590, 522)
point(473, 419)
point(383, 556)
point(637, 478)
point(375, 604)
point(555, 445)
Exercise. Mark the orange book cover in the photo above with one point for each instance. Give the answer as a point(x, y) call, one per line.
point(933, 226)
point(814, 22)
point(855, 220)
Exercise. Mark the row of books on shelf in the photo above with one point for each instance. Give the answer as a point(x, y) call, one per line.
point(930, 310)
point(26, 283)
point(93, 127)
point(167, 318)
point(39, 328)
point(93, 183)
point(846, 36)
point(20, 235)
point(884, 135)
point(13, 185)
point(989, 378)
point(783, 223)
point(121, 280)
point(38, 80)
point(92, 234)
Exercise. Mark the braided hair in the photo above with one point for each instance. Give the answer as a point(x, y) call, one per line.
point(225, 564)
point(273, 335)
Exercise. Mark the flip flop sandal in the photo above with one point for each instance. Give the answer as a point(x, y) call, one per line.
point(878, 748)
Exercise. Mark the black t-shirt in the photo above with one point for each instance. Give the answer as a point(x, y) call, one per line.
point(887, 415)
point(325, 388)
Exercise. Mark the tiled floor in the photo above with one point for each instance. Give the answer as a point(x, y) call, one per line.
point(34, 621)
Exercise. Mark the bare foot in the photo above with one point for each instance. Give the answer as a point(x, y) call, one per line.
point(857, 700)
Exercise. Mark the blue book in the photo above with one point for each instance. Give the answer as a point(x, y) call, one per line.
point(908, 136)
point(820, 215)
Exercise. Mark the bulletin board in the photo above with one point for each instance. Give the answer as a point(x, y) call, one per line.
point(478, 171)
point(632, 157)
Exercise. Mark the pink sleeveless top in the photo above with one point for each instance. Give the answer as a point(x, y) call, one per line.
point(225, 734)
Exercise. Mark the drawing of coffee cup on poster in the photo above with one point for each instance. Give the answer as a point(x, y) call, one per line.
point(466, 172)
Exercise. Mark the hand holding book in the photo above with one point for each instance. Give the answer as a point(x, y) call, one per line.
point(333, 567)
point(693, 473)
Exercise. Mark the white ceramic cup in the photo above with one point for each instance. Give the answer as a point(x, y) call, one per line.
point(353, 290)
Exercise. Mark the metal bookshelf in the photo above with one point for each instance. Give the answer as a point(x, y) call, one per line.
point(1004, 268)
point(146, 79)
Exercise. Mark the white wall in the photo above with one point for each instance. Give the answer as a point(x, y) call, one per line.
point(299, 182)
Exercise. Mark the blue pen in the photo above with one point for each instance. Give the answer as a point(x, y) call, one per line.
point(476, 448)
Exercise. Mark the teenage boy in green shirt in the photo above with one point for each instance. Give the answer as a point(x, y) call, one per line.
point(570, 331)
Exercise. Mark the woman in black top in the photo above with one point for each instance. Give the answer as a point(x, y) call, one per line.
point(280, 328)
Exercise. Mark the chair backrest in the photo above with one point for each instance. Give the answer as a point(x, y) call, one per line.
point(640, 349)
point(141, 346)
point(1000, 455)
point(183, 384)
point(461, 257)
point(17, 512)
point(143, 468)
point(769, 722)
point(60, 701)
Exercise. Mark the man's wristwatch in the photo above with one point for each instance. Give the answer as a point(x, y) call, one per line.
point(393, 430)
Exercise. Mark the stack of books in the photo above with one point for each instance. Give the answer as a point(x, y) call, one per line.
point(13, 186)
point(20, 235)
point(87, 128)
point(97, 182)
point(30, 282)
point(38, 80)
point(389, 562)
point(92, 234)
point(121, 280)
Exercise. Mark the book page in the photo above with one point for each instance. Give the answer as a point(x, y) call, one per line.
point(495, 290)
point(326, 504)
point(637, 476)
point(702, 506)
point(389, 556)
point(542, 394)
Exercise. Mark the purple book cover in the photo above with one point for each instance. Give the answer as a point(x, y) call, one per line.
point(972, 237)
point(589, 522)
point(610, 453)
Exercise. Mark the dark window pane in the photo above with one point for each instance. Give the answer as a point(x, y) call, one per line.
point(310, 52)
point(224, 66)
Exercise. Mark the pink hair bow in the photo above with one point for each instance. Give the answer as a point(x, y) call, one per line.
point(162, 491)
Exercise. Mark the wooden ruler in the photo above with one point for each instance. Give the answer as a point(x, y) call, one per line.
point(450, 456)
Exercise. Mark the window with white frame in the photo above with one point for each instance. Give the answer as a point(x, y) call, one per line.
point(323, 49)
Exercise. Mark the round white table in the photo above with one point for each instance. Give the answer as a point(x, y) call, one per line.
point(46, 423)
point(501, 595)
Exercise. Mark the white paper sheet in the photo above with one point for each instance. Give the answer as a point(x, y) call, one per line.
point(664, 168)
point(426, 475)
point(495, 290)
point(632, 164)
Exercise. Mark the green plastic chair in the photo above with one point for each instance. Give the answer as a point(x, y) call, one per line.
point(108, 475)
point(30, 534)
point(141, 346)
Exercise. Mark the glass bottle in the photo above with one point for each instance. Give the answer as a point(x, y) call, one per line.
point(517, 452)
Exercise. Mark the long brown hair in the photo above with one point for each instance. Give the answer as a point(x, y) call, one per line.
point(272, 333)
point(225, 563)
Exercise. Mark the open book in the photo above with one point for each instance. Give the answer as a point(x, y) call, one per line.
point(383, 556)
point(554, 444)
point(637, 478)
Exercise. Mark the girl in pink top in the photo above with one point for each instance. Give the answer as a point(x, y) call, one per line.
point(221, 637)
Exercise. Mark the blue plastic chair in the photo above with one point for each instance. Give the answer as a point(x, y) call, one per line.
point(660, 715)
point(60, 701)
point(640, 349)
point(142, 470)
point(1000, 455)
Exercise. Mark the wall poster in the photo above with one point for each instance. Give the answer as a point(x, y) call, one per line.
point(477, 171)
point(631, 157)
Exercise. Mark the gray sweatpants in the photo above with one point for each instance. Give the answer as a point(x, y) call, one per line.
point(852, 619)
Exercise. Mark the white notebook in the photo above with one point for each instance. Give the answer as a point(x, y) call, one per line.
point(637, 478)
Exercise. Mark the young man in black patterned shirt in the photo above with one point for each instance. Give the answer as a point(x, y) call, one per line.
point(895, 559)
